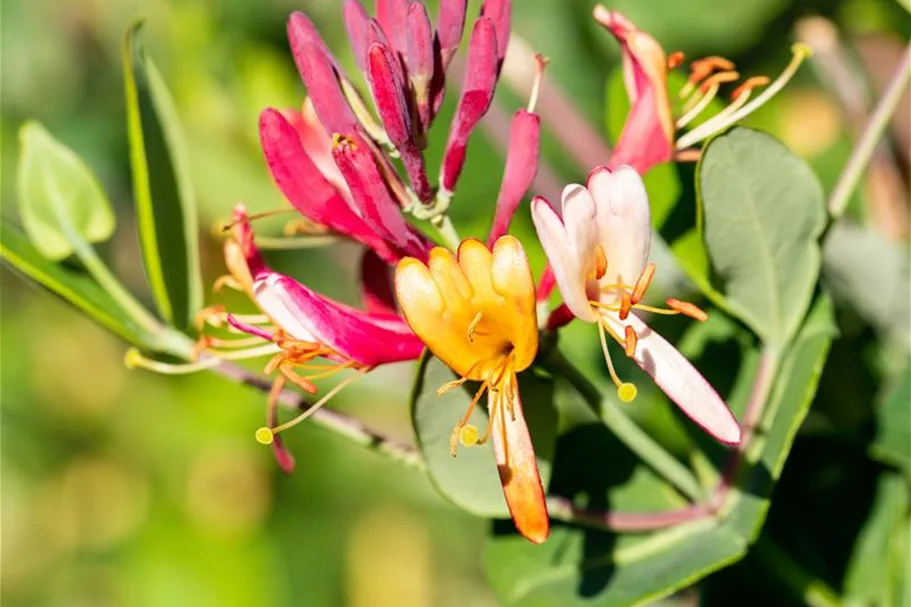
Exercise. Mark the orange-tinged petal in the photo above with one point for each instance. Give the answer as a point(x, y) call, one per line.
point(426, 312)
point(516, 463)
point(511, 278)
point(453, 285)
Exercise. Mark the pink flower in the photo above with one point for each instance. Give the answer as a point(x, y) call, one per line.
point(651, 134)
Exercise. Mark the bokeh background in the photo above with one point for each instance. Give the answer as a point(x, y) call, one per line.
point(124, 488)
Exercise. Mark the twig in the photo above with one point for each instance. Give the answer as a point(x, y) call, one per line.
point(562, 509)
point(339, 423)
point(863, 149)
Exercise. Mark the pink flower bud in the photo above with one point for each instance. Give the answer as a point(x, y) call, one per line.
point(393, 16)
point(477, 93)
point(356, 23)
point(499, 12)
point(450, 23)
point(420, 60)
point(521, 167)
point(320, 74)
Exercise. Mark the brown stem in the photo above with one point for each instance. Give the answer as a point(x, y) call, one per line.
point(562, 509)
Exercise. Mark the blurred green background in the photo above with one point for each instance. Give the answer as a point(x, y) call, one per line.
point(124, 488)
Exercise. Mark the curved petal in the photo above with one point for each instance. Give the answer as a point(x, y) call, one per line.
point(369, 339)
point(512, 280)
point(516, 463)
point(680, 380)
point(563, 258)
point(624, 221)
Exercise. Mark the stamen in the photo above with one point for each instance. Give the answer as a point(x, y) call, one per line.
point(226, 227)
point(695, 105)
point(472, 326)
point(702, 68)
point(675, 59)
point(213, 315)
point(643, 283)
point(600, 262)
point(457, 431)
point(265, 435)
point(208, 344)
point(540, 63)
point(134, 359)
point(719, 79)
point(626, 391)
point(687, 309)
point(302, 225)
point(297, 380)
point(719, 123)
point(226, 281)
point(631, 341)
point(290, 243)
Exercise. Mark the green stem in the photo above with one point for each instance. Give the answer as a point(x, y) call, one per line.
point(863, 150)
point(447, 232)
point(631, 435)
point(809, 589)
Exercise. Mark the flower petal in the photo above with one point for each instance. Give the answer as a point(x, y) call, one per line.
point(680, 380)
point(624, 221)
point(369, 339)
point(563, 256)
point(517, 465)
point(512, 280)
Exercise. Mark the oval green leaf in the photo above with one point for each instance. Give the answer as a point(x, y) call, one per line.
point(763, 211)
point(61, 202)
point(470, 480)
point(165, 201)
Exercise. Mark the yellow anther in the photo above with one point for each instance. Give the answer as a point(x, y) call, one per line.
point(469, 436)
point(629, 344)
point(643, 283)
point(264, 436)
point(687, 309)
point(627, 392)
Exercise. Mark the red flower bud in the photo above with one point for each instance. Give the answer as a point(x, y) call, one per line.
point(521, 167)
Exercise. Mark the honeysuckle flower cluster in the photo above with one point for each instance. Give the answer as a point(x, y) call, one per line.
point(652, 133)
point(471, 304)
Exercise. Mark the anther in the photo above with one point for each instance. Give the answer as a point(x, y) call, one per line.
point(687, 309)
point(540, 63)
point(675, 59)
point(600, 262)
point(625, 305)
point(340, 140)
point(643, 283)
point(629, 344)
point(748, 85)
point(719, 79)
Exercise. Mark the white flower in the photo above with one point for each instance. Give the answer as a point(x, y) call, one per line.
point(598, 247)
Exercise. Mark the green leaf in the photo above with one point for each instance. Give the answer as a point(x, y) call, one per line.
point(165, 201)
point(763, 212)
point(60, 201)
point(795, 385)
point(893, 419)
point(73, 285)
point(878, 569)
point(470, 480)
point(592, 568)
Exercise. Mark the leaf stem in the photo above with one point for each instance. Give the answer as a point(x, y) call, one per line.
point(562, 509)
point(863, 150)
point(809, 589)
point(752, 417)
point(631, 435)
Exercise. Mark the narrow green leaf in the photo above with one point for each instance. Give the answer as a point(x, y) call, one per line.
point(790, 399)
point(60, 200)
point(893, 419)
point(763, 212)
point(165, 201)
point(470, 480)
point(877, 569)
point(73, 285)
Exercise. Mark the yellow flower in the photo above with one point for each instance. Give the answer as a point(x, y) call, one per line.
point(476, 313)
